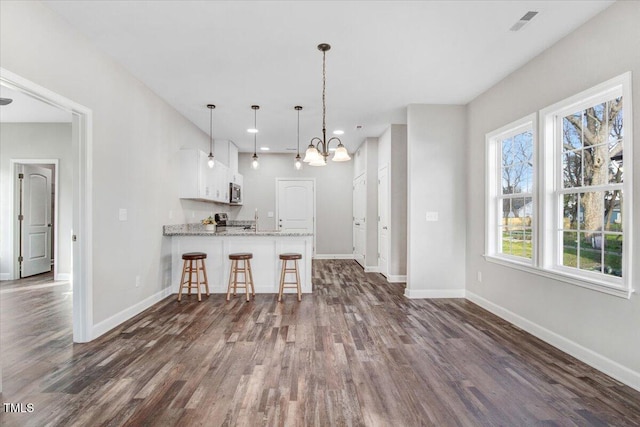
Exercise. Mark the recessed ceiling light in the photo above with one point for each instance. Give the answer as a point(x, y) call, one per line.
point(338, 132)
point(252, 130)
point(264, 148)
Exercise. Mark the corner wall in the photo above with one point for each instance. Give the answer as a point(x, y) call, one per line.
point(436, 136)
point(598, 328)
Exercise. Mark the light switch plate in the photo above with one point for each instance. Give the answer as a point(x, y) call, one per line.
point(122, 214)
point(269, 214)
point(432, 216)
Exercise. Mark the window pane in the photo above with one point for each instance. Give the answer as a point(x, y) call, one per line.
point(615, 162)
point(591, 211)
point(613, 255)
point(509, 181)
point(570, 249)
point(572, 131)
point(570, 212)
point(613, 210)
point(572, 169)
point(590, 252)
point(615, 119)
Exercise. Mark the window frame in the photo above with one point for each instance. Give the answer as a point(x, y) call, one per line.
point(493, 188)
point(552, 189)
point(547, 192)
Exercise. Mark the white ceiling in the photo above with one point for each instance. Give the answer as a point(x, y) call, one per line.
point(26, 109)
point(385, 55)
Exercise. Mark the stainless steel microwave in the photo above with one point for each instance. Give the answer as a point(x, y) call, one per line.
point(235, 193)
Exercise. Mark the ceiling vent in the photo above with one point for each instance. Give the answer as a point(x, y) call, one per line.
point(523, 21)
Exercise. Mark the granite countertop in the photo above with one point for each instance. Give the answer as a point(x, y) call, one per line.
point(198, 230)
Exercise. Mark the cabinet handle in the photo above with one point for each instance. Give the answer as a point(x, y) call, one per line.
point(357, 223)
point(384, 228)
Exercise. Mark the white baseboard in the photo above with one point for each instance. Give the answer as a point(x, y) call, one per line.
point(434, 293)
point(126, 314)
point(333, 256)
point(394, 278)
point(590, 357)
point(63, 276)
point(374, 269)
point(5, 276)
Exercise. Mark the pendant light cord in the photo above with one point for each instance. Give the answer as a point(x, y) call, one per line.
point(324, 79)
point(298, 130)
point(255, 126)
point(210, 131)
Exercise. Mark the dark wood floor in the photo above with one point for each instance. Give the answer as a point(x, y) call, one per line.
point(356, 352)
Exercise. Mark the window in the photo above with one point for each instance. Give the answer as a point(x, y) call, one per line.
point(582, 219)
point(511, 188)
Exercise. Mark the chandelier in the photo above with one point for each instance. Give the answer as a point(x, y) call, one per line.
point(316, 155)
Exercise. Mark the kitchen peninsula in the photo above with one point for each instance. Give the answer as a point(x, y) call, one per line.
point(266, 246)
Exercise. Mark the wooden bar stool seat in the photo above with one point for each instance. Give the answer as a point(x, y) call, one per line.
point(245, 269)
point(294, 270)
point(193, 264)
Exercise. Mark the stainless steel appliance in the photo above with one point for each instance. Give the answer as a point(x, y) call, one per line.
point(221, 219)
point(236, 194)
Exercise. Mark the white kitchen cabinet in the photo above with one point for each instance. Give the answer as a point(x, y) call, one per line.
point(200, 182)
point(226, 153)
point(235, 177)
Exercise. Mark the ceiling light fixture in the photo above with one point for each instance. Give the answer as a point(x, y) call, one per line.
point(254, 158)
point(211, 161)
point(316, 155)
point(298, 163)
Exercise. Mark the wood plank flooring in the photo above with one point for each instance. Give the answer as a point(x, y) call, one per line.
point(354, 353)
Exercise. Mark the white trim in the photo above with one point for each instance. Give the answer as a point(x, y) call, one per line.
point(129, 312)
point(82, 252)
point(591, 358)
point(5, 276)
point(434, 293)
point(63, 276)
point(333, 256)
point(373, 269)
point(395, 278)
point(13, 194)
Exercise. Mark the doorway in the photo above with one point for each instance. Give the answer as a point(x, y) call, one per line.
point(36, 182)
point(80, 196)
point(383, 220)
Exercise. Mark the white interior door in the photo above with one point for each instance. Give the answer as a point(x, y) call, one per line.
point(36, 223)
point(359, 218)
point(296, 205)
point(383, 220)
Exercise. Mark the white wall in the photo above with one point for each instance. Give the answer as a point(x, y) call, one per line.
point(136, 136)
point(36, 141)
point(392, 152)
point(596, 327)
point(436, 173)
point(334, 198)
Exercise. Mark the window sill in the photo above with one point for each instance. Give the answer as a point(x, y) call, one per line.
point(595, 285)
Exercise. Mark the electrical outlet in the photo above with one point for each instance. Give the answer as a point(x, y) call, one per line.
point(432, 216)
point(122, 214)
point(480, 276)
point(137, 281)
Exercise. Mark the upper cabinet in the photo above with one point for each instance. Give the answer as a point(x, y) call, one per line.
point(200, 182)
point(226, 153)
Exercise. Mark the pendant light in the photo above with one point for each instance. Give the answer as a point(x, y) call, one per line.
point(254, 159)
point(298, 163)
point(211, 161)
point(316, 155)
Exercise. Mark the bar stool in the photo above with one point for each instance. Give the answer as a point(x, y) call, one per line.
point(286, 258)
point(188, 266)
point(245, 270)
